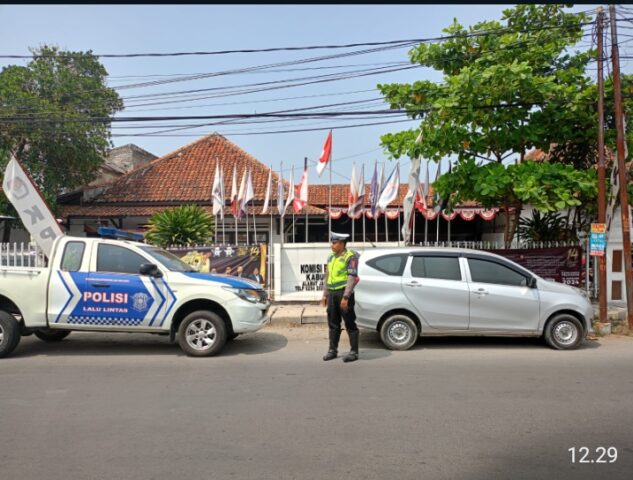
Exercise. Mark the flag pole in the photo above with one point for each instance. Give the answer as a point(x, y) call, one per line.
point(363, 213)
point(353, 222)
point(329, 213)
point(399, 225)
point(305, 168)
point(437, 227)
point(281, 216)
point(426, 229)
point(254, 227)
point(375, 226)
point(246, 220)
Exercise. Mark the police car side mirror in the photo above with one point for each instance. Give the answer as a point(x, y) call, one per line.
point(150, 269)
point(531, 283)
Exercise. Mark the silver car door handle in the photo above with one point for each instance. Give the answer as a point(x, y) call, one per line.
point(413, 284)
point(480, 291)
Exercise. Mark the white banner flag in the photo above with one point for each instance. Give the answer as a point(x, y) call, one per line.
point(269, 191)
point(35, 214)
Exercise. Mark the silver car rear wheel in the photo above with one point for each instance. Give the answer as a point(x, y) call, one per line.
point(399, 332)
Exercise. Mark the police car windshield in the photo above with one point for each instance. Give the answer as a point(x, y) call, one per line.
point(169, 260)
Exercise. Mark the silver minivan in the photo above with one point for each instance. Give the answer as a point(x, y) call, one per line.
point(408, 292)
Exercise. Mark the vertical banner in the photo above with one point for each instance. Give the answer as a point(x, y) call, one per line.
point(33, 211)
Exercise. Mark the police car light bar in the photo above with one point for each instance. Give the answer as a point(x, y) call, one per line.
point(115, 233)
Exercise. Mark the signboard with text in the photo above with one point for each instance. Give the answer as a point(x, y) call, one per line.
point(598, 239)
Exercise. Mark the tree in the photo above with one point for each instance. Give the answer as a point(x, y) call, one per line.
point(184, 225)
point(47, 111)
point(508, 87)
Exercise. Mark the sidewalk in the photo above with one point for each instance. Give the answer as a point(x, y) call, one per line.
point(296, 315)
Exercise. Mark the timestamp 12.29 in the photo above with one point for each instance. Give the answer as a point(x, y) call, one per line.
point(595, 455)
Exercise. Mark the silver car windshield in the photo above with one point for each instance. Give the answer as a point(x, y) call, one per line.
point(169, 260)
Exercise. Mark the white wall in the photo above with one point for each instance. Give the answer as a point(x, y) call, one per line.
point(299, 268)
point(614, 242)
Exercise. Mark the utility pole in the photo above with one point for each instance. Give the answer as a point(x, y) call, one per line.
point(622, 173)
point(602, 201)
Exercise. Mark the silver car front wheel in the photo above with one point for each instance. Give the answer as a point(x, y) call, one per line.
point(399, 332)
point(564, 332)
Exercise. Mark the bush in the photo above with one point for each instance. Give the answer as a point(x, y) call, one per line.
point(185, 225)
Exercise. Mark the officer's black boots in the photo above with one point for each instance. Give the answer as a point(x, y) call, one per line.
point(332, 353)
point(353, 341)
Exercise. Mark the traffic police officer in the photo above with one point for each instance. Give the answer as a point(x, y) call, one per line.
point(341, 276)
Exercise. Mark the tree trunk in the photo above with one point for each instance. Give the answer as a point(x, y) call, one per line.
point(512, 222)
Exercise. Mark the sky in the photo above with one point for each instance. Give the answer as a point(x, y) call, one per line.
point(126, 29)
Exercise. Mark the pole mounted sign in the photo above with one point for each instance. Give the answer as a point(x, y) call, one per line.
point(33, 211)
point(598, 239)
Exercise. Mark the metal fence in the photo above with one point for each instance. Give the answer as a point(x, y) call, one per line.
point(498, 245)
point(21, 255)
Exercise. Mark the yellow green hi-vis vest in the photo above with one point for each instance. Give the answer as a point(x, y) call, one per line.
point(337, 270)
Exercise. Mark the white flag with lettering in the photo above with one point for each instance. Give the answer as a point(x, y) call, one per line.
point(27, 200)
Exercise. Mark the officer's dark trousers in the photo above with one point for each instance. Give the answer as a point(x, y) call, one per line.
point(334, 315)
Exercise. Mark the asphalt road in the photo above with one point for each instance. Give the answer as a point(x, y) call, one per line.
point(124, 406)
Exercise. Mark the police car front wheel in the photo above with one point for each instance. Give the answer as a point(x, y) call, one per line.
point(202, 334)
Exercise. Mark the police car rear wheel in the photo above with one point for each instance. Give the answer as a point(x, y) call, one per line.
point(202, 334)
point(9, 334)
point(49, 335)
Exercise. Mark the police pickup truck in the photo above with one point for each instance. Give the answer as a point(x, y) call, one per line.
point(112, 285)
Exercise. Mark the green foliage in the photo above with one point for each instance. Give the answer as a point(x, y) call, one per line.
point(548, 227)
point(548, 187)
point(45, 109)
point(508, 88)
point(184, 225)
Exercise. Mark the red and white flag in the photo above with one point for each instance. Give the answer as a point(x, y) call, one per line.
point(326, 154)
point(301, 190)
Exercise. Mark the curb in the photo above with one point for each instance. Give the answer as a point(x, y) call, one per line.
point(296, 315)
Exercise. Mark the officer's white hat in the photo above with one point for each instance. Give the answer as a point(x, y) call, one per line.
point(335, 237)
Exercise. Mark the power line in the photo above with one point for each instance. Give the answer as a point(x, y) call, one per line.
point(499, 31)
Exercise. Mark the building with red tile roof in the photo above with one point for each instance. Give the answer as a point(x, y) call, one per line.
point(185, 176)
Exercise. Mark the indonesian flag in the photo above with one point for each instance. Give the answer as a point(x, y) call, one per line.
point(301, 190)
point(326, 154)
point(269, 191)
point(234, 203)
